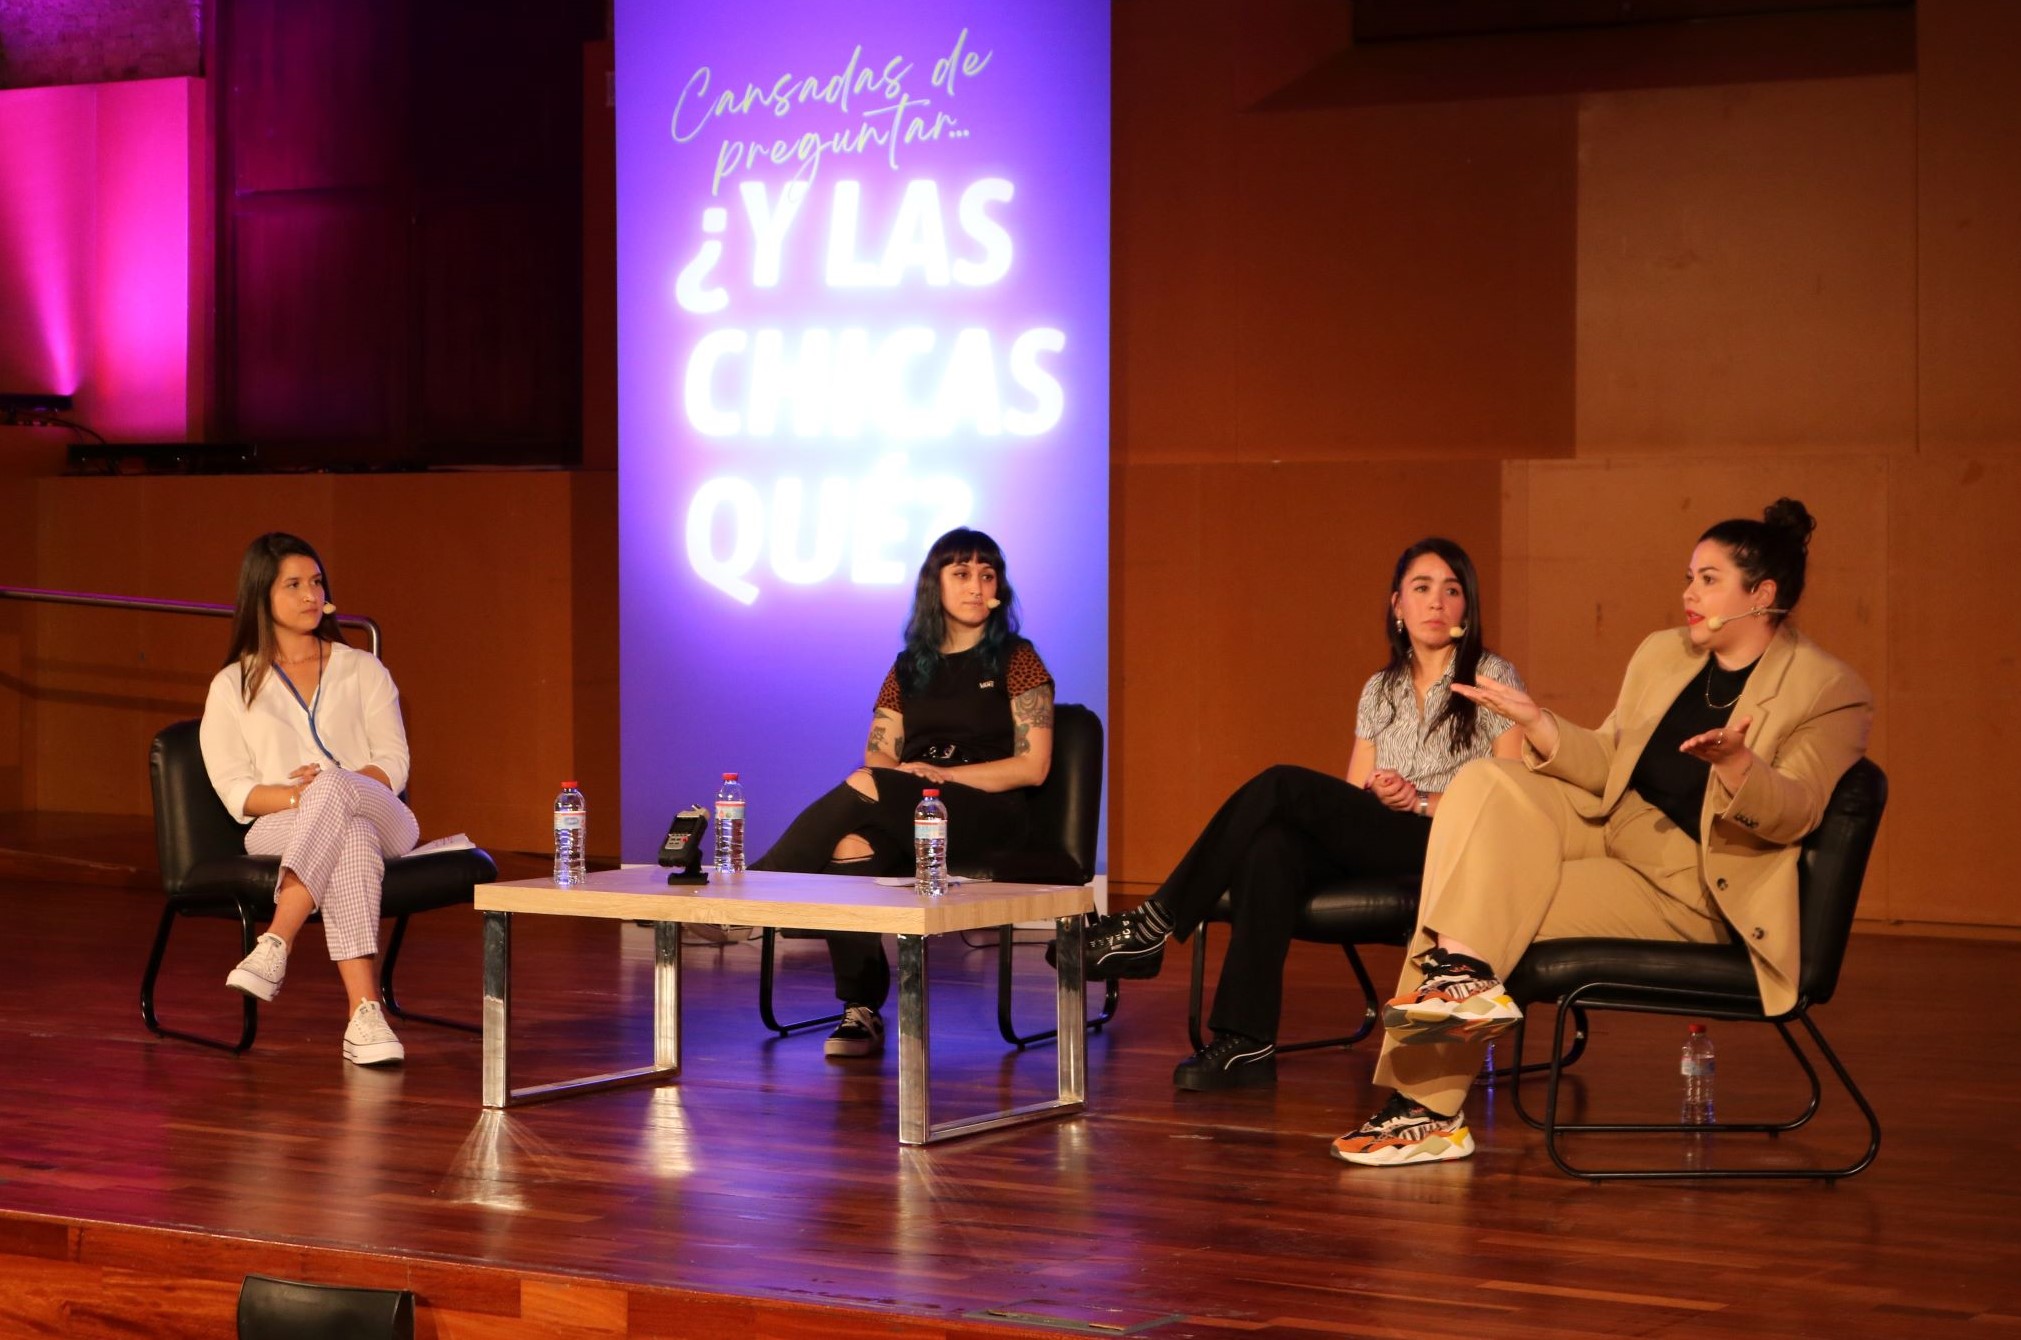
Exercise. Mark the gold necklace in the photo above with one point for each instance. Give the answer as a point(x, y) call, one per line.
point(1711, 661)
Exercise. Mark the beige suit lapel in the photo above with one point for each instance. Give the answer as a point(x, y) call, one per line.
point(1764, 684)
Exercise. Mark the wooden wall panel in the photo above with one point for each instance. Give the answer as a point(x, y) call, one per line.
point(1968, 162)
point(1403, 280)
point(1955, 720)
point(1169, 383)
point(1747, 268)
point(1250, 602)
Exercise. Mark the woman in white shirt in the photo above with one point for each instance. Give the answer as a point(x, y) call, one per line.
point(303, 741)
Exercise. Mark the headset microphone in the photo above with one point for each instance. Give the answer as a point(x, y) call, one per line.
point(1714, 622)
point(1458, 631)
point(328, 608)
point(993, 602)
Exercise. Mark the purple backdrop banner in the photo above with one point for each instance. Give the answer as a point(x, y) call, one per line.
point(863, 297)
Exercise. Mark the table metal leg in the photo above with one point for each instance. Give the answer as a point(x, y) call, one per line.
point(1072, 1000)
point(915, 1124)
point(667, 996)
point(497, 1008)
point(498, 1090)
point(915, 1119)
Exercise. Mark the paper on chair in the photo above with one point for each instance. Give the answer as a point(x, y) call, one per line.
point(455, 842)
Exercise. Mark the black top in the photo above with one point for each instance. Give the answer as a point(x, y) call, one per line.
point(964, 713)
point(1675, 782)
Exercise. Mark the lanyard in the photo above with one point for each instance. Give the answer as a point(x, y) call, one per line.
point(309, 708)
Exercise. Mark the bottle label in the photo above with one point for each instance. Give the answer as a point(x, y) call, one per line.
point(729, 811)
point(929, 830)
point(1698, 1067)
point(571, 822)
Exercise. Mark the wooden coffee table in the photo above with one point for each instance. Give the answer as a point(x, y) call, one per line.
point(790, 902)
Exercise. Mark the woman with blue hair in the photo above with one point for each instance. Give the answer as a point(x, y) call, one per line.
point(967, 707)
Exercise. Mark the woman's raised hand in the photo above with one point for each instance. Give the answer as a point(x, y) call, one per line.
point(1504, 700)
point(1539, 727)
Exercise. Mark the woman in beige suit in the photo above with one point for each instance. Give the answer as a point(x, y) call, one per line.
point(1678, 819)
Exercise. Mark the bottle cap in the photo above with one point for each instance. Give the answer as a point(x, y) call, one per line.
point(729, 776)
point(1698, 1028)
point(568, 786)
point(931, 791)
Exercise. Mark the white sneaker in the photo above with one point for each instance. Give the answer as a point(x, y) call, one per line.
point(861, 1033)
point(259, 973)
point(369, 1039)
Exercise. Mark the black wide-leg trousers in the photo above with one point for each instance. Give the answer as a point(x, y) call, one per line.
point(1282, 835)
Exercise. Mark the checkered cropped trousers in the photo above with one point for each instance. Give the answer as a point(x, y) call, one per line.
point(337, 841)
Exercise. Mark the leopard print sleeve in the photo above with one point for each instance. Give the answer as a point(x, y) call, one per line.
point(1025, 672)
point(888, 697)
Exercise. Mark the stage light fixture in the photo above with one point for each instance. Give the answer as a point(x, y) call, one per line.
point(37, 402)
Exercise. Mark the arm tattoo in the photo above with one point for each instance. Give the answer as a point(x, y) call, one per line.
point(878, 726)
point(1032, 708)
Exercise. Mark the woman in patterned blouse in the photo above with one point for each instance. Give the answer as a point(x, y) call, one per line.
point(1290, 830)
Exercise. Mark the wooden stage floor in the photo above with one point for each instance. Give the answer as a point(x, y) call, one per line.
point(765, 1193)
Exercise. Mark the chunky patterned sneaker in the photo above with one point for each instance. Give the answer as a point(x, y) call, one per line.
point(1230, 1062)
point(861, 1033)
point(259, 973)
point(369, 1039)
point(1460, 1000)
point(1405, 1132)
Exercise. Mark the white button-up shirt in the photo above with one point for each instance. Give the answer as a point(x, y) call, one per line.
point(357, 715)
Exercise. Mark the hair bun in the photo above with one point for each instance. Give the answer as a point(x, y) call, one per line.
point(1792, 518)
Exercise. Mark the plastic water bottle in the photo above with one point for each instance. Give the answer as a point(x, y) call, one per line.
point(929, 845)
point(1696, 1067)
point(571, 832)
point(730, 825)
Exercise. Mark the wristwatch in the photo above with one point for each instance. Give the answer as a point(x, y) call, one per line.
point(1425, 806)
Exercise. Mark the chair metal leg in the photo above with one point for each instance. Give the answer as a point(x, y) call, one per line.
point(1370, 1013)
point(249, 1016)
point(1004, 947)
point(765, 974)
point(392, 1002)
point(1196, 989)
point(1515, 1071)
point(1554, 1130)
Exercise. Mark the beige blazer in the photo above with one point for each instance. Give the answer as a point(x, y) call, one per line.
point(1811, 714)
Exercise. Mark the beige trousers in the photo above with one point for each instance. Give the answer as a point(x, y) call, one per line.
point(1511, 862)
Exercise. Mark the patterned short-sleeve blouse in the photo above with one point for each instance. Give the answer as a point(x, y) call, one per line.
point(1402, 741)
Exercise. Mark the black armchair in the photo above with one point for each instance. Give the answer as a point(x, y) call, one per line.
point(205, 871)
point(1066, 815)
point(1717, 982)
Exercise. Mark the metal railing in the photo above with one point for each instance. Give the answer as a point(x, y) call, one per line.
point(371, 626)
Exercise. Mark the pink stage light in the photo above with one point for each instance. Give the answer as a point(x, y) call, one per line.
point(102, 184)
point(48, 160)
